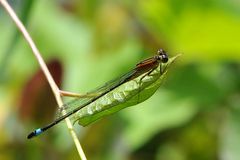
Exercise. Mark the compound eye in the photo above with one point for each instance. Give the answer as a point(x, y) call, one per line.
point(161, 52)
point(164, 58)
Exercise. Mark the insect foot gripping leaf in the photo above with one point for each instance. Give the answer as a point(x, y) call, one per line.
point(128, 94)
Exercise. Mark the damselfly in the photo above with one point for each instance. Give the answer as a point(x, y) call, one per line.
point(119, 93)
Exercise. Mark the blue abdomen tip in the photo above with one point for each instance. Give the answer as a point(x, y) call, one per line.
point(35, 133)
point(38, 131)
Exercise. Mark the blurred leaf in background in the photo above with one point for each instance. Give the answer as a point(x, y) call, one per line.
point(194, 115)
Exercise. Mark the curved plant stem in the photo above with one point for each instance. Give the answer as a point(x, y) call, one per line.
point(45, 70)
point(71, 94)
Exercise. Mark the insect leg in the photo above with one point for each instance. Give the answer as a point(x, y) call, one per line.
point(140, 81)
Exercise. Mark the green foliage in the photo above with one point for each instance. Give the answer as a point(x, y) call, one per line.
point(193, 116)
point(125, 95)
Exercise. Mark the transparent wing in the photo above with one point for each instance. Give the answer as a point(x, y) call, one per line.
point(81, 102)
point(115, 82)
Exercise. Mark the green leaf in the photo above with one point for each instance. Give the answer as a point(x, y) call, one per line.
point(126, 95)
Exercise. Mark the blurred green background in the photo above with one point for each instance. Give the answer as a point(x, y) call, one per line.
point(194, 115)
